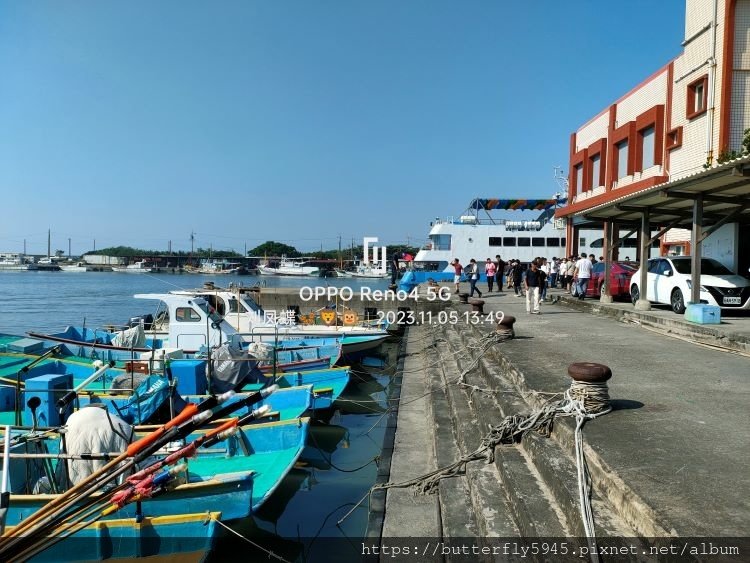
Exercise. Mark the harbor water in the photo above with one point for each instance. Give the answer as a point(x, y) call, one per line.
point(340, 462)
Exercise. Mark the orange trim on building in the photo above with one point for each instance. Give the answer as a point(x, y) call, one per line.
point(608, 196)
point(727, 74)
point(571, 175)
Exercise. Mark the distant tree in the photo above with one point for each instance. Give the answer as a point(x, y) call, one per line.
point(273, 248)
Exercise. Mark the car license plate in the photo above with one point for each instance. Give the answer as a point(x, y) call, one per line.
point(732, 301)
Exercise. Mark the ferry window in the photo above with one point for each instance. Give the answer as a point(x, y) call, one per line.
point(524, 241)
point(562, 242)
point(553, 241)
point(496, 241)
point(187, 315)
point(581, 241)
point(537, 241)
point(441, 242)
point(598, 243)
point(509, 241)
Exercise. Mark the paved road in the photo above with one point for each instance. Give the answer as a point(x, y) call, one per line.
point(680, 432)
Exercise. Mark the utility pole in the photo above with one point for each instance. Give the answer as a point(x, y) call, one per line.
point(24, 247)
point(68, 248)
point(192, 240)
point(94, 245)
point(341, 264)
point(49, 242)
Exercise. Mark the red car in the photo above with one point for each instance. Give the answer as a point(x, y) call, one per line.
point(619, 279)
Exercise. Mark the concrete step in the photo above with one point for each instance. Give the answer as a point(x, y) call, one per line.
point(553, 465)
point(508, 497)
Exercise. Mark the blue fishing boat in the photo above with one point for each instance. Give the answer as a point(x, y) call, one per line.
point(235, 477)
point(327, 384)
point(190, 537)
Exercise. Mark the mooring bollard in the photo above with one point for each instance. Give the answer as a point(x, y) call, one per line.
point(505, 325)
point(477, 305)
point(589, 386)
point(463, 298)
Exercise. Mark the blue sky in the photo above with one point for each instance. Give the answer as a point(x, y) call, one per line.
point(138, 122)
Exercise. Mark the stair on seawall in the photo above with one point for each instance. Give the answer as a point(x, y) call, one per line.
point(531, 489)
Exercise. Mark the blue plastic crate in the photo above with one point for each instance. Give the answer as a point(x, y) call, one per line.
point(703, 314)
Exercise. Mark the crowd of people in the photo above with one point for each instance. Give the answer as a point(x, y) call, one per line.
point(571, 274)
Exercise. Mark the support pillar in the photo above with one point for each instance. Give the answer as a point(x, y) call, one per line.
point(697, 247)
point(606, 294)
point(643, 304)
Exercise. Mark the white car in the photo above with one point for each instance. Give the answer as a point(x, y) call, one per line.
point(669, 283)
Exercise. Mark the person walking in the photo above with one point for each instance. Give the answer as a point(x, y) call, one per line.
point(489, 270)
point(532, 283)
point(517, 277)
point(582, 274)
point(472, 271)
point(570, 268)
point(499, 271)
point(553, 273)
point(545, 270)
point(457, 269)
point(394, 268)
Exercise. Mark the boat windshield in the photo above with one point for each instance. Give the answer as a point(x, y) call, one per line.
point(213, 315)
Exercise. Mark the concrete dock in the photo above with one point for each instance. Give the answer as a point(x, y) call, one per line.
point(671, 458)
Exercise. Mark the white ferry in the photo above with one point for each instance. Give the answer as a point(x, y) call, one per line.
point(530, 232)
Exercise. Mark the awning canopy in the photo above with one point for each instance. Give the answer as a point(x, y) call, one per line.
point(725, 190)
point(516, 204)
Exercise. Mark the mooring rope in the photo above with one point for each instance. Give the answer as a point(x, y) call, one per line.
point(582, 400)
point(267, 551)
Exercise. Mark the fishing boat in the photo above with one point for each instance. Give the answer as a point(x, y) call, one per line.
point(300, 392)
point(288, 267)
point(191, 537)
point(370, 272)
point(15, 261)
point(239, 310)
point(77, 267)
point(235, 477)
point(140, 267)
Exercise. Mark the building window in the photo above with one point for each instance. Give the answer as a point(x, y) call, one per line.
point(579, 178)
point(537, 241)
point(553, 241)
point(496, 241)
point(622, 159)
point(647, 140)
point(595, 170)
point(524, 241)
point(697, 97)
point(509, 241)
point(674, 138)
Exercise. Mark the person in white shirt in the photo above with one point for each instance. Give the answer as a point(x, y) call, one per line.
point(582, 275)
point(546, 269)
point(554, 271)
